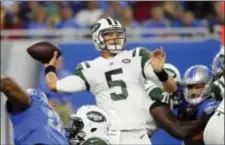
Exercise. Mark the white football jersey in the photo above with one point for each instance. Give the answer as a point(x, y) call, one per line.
point(151, 125)
point(220, 83)
point(118, 85)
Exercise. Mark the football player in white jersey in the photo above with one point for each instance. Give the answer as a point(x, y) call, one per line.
point(89, 125)
point(117, 79)
point(214, 131)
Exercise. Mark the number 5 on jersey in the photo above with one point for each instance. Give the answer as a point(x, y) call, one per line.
point(116, 83)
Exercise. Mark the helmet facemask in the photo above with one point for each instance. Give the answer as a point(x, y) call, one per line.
point(196, 93)
point(74, 130)
point(112, 39)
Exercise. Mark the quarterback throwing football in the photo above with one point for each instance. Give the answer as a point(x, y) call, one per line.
point(117, 79)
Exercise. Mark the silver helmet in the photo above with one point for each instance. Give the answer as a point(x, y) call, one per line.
point(218, 62)
point(196, 83)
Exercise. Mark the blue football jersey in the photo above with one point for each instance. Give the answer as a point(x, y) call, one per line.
point(38, 124)
point(206, 107)
point(189, 112)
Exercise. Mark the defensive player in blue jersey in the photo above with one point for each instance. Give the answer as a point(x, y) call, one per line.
point(198, 100)
point(33, 119)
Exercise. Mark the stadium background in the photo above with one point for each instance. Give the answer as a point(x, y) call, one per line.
point(188, 31)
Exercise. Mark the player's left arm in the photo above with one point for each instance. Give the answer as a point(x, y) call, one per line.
point(152, 67)
point(18, 99)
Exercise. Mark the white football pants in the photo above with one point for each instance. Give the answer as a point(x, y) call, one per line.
point(129, 137)
point(214, 130)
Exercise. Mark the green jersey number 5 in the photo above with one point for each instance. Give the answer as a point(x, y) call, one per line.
point(116, 83)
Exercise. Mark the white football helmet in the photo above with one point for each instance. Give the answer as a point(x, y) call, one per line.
point(89, 120)
point(173, 71)
point(103, 26)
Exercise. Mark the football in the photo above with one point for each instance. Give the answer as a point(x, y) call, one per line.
point(43, 51)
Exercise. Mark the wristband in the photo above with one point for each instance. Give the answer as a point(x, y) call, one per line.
point(50, 68)
point(162, 76)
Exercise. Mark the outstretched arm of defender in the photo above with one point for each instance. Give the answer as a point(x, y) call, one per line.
point(17, 97)
point(167, 120)
point(73, 83)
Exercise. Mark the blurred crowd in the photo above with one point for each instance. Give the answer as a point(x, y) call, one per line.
point(133, 14)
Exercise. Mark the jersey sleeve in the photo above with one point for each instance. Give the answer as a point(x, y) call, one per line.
point(144, 53)
point(146, 66)
point(207, 108)
point(76, 82)
point(79, 72)
point(156, 93)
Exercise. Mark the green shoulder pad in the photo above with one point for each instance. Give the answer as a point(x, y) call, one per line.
point(145, 54)
point(157, 94)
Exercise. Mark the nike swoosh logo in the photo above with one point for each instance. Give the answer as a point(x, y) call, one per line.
point(142, 136)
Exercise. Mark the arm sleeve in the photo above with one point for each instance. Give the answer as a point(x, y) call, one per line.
point(70, 84)
point(74, 83)
point(156, 93)
point(146, 67)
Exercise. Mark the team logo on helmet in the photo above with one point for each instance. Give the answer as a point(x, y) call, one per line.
point(96, 116)
point(95, 27)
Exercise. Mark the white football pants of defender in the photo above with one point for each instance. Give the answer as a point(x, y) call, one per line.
point(129, 137)
point(214, 131)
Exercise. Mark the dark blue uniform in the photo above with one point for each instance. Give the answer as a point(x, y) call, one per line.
point(187, 111)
